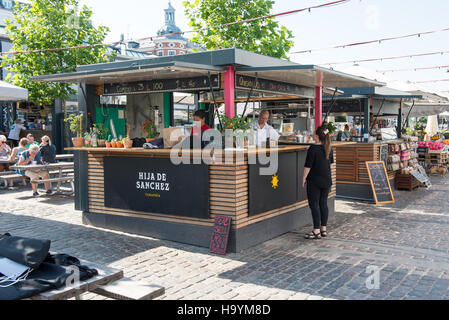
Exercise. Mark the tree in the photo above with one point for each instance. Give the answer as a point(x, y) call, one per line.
point(49, 24)
point(262, 36)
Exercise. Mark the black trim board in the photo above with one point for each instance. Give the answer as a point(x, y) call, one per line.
point(359, 192)
point(239, 239)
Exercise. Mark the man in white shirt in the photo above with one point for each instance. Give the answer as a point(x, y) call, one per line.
point(14, 133)
point(264, 130)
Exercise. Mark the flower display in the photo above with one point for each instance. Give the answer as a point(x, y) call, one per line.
point(432, 145)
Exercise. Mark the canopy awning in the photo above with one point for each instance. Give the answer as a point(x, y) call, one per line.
point(133, 73)
point(308, 76)
point(10, 92)
point(424, 109)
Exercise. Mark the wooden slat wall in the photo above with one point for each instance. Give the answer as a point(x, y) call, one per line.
point(351, 161)
point(228, 195)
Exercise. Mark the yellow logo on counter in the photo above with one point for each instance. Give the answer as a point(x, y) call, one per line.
point(275, 181)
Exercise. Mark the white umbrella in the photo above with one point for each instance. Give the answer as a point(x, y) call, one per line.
point(9, 92)
point(432, 126)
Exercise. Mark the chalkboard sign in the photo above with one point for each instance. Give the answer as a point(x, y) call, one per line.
point(162, 85)
point(220, 235)
point(422, 150)
point(419, 176)
point(379, 182)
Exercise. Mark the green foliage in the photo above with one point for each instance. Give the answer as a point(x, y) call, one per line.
point(330, 126)
point(75, 122)
point(236, 123)
point(262, 36)
point(149, 128)
point(341, 119)
point(102, 132)
point(47, 24)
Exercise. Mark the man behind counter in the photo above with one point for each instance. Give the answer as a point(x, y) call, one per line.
point(263, 129)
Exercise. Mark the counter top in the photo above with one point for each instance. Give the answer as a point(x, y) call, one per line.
point(167, 152)
point(333, 144)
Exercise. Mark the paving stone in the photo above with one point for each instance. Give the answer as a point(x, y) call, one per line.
point(288, 267)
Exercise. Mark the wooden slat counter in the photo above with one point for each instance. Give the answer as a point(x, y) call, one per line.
point(352, 176)
point(233, 191)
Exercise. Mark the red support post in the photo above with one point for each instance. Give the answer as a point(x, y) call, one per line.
point(319, 100)
point(229, 91)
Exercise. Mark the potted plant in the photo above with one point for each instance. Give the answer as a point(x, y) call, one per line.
point(102, 135)
point(149, 128)
point(331, 127)
point(239, 126)
point(76, 122)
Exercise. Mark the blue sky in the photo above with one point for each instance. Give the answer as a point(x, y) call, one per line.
point(358, 20)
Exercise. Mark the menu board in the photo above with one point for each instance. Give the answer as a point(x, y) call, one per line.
point(162, 85)
point(379, 182)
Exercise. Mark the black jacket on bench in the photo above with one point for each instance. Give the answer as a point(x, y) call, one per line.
point(51, 274)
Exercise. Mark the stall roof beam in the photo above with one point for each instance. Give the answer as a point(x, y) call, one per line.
point(168, 70)
point(380, 92)
point(306, 75)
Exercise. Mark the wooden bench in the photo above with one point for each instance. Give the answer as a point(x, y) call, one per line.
point(9, 177)
point(128, 289)
point(64, 156)
point(109, 283)
point(58, 180)
point(66, 172)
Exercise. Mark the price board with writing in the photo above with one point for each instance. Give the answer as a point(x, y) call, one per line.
point(379, 182)
point(220, 235)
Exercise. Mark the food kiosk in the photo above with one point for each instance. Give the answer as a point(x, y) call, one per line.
point(369, 106)
point(142, 191)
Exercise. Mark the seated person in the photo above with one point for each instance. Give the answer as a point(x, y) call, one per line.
point(31, 141)
point(48, 151)
point(346, 135)
point(15, 155)
point(5, 150)
point(27, 158)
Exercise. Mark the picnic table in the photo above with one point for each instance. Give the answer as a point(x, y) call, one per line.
point(64, 156)
point(48, 167)
point(109, 283)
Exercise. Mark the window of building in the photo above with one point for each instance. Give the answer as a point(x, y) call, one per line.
point(181, 52)
point(160, 53)
point(171, 44)
point(172, 53)
point(160, 45)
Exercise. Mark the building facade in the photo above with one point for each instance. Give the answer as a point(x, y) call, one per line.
point(167, 43)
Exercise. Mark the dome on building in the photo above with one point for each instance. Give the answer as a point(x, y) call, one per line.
point(170, 25)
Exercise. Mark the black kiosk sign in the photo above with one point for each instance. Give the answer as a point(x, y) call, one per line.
point(156, 186)
point(162, 85)
point(379, 182)
point(270, 86)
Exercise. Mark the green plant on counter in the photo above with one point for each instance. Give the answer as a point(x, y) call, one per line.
point(102, 132)
point(76, 123)
point(236, 123)
point(330, 126)
point(149, 128)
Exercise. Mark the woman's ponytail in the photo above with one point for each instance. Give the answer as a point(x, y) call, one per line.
point(325, 139)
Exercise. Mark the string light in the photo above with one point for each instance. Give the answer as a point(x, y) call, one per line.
point(412, 69)
point(329, 4)
point(370, 41)
point(387, 58)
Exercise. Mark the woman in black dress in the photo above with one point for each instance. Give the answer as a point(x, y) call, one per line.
point(318, 179)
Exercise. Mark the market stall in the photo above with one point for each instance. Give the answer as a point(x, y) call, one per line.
point(142, 191)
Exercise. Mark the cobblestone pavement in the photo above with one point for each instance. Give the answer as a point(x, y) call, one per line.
point(407, 241)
